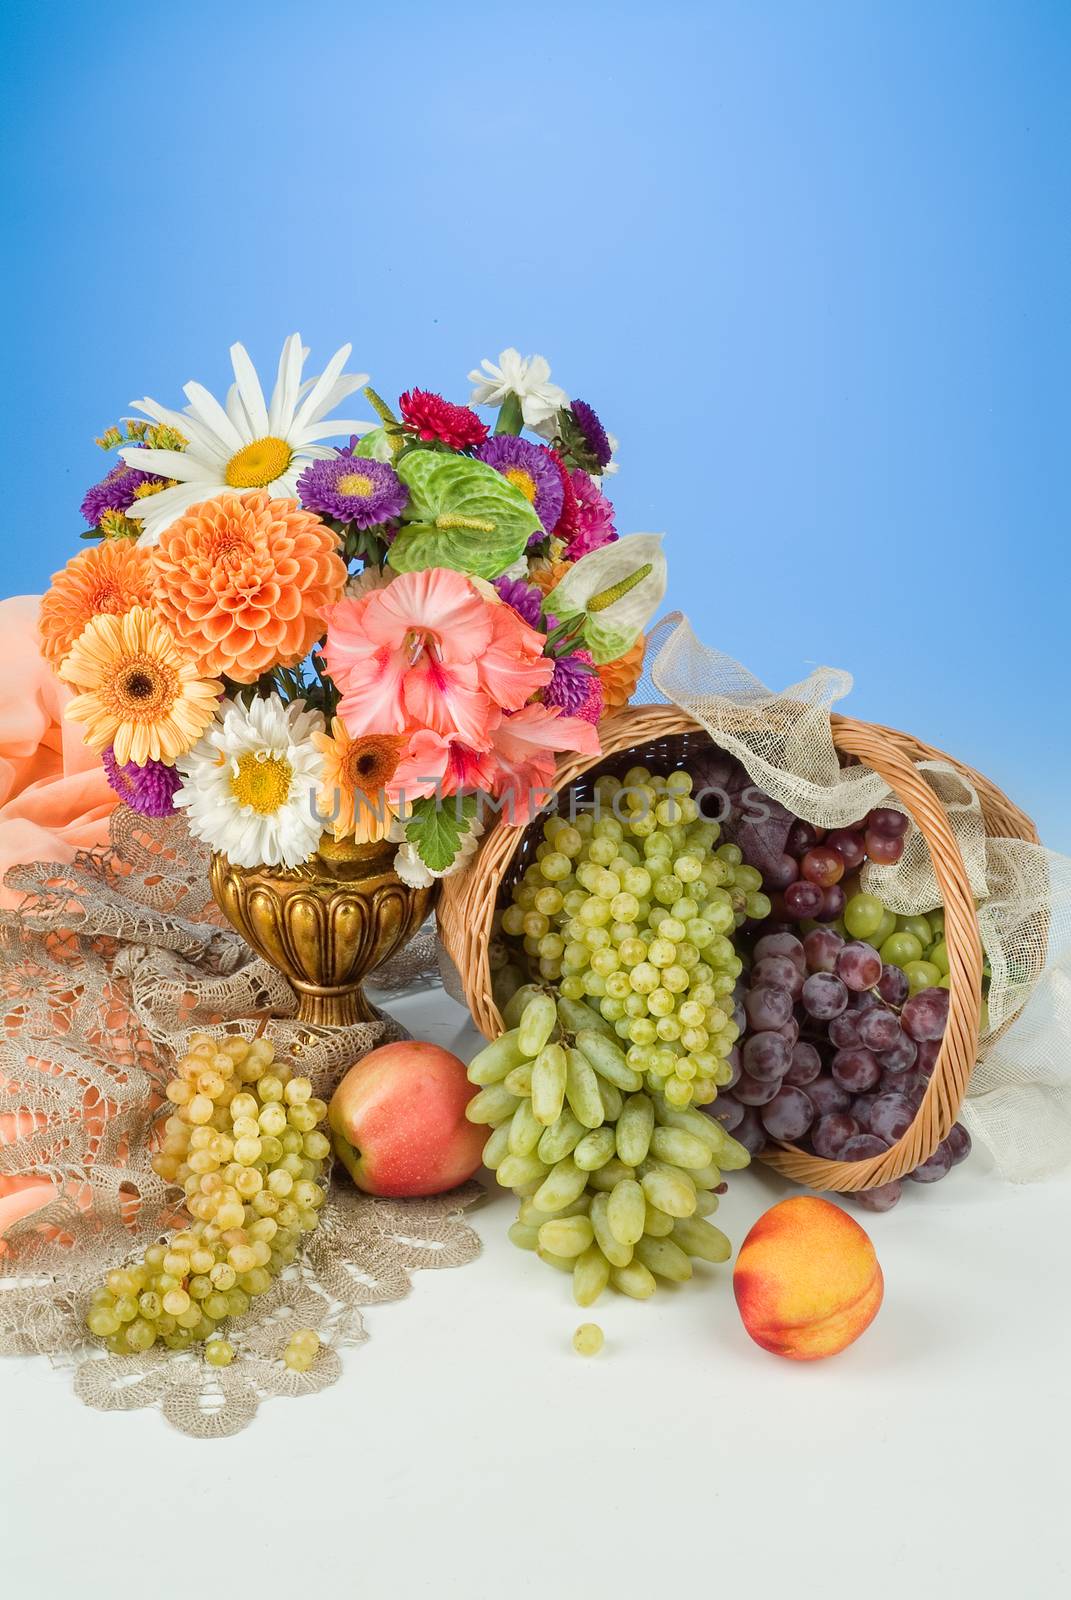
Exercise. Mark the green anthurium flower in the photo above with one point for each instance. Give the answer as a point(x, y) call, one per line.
point(615, 590)
point(462, 514)
point(375, 446)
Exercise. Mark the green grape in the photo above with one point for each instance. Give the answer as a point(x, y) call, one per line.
point(901, 948)
point(863, 916)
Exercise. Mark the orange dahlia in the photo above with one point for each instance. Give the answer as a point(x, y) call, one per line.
point(243, 581)
point(136, 690)
point(546, 575)
point(104, 580)
point(356, 772)
point(619, 678)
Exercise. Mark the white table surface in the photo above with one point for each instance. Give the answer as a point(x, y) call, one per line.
point(468, 1451)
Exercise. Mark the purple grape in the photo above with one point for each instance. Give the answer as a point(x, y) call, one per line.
point(801, 837)
point(925, 1014)
point(788, 1115)
point(833, 902)
point(767, 1007)
point(958, 1143)
point(780, 873)
point(862, 1000)
point(937, 1167)
point(856, 1070)
point(890, 1117)
point(912, 1085)
point(726, 1109)
point(806, 1066)
point(752, 1092)
point(781, 944)
point(789, 1031)
point(926, 1060)
point(803, 899)
point(827, 1096)
point(901, 1053)
point(883, 1198)
point(822, 946)
point(766, 1057)
point(879, 1030)
point(844, 1031)
point(750, 1132)
point(861, 1109)
point(733, 1059)
point(859, 965)
point(893, 985)
point(740, 1016)
point(862, 1147)
point(848, 843)
point(781, 972)
point(884, 820)
point(831, 1133)
point(824, 996)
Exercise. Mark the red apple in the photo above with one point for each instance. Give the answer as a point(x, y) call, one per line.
point(398, 1124)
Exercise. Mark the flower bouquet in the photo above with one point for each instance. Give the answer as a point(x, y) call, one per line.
point(329, 651)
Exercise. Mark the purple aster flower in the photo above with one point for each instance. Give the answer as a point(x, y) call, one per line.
point(530, 468)
point(574, 685)
point(353, 489)
point(146, 789)
point(116, 492)
point(587, 420)
point(525, 599)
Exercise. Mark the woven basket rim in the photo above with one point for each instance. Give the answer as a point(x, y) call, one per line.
point(468, 901)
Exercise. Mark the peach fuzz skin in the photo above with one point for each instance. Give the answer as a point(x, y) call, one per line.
point(398, 1124)
point(806, 1280)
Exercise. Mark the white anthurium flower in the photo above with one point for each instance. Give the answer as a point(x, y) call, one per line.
point(616, 590)
point(528, 377)
point(248, 443)
point(249, 787)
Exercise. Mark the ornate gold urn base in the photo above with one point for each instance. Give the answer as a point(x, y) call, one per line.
point(325, 925)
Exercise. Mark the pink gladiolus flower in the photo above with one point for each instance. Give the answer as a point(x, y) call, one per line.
point(407, 656)
point(524, 747)
point(433, 764)
point(513, 667)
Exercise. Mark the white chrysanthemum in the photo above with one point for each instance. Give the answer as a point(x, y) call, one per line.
point(526, 377)
point(248, 444)
point(249, 787)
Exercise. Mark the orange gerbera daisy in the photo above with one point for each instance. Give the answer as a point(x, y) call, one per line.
point(104, 580)
point(619, 678)
point(356, 772)
point(138, 692)
point(243, 582)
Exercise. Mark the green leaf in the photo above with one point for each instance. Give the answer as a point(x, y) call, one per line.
point(437, 826)
point(461, 514)
point(510, 416)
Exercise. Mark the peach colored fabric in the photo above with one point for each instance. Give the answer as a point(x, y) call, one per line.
point(54, 798)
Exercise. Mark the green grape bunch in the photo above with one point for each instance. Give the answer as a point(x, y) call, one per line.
point(615, 1182)
point(245, 1142)
point(635, 917)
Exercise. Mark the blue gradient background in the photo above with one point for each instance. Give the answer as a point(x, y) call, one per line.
point(811, 261)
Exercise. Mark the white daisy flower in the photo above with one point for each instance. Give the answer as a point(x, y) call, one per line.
point(248, 444)
point(526, 377)
point(249, 787)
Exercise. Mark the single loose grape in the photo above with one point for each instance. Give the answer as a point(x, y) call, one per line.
point(588, 1339)
point(218, 1353)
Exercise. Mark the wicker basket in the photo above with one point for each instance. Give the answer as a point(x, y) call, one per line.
point(663, 736)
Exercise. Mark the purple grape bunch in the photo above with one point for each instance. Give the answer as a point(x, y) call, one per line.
point(834, 1055)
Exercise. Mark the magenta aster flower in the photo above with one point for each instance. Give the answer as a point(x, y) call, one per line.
point(352, 489)
point(594, 434)
point(575, 687)
point(116, 492)
point(146, 789)
point(530, 468)
point(594, 519)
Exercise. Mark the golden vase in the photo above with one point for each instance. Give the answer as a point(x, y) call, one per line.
point(326, 924)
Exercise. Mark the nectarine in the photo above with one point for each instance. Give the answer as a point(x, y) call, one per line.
point(398, 1124)
point(806, 1280)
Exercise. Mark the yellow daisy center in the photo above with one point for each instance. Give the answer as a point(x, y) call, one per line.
point(355, 483)
point(523, 481)
point(139, 689)
point(258, 464)
point(262, 782)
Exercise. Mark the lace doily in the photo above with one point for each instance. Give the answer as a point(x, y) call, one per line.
point(106, 968)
